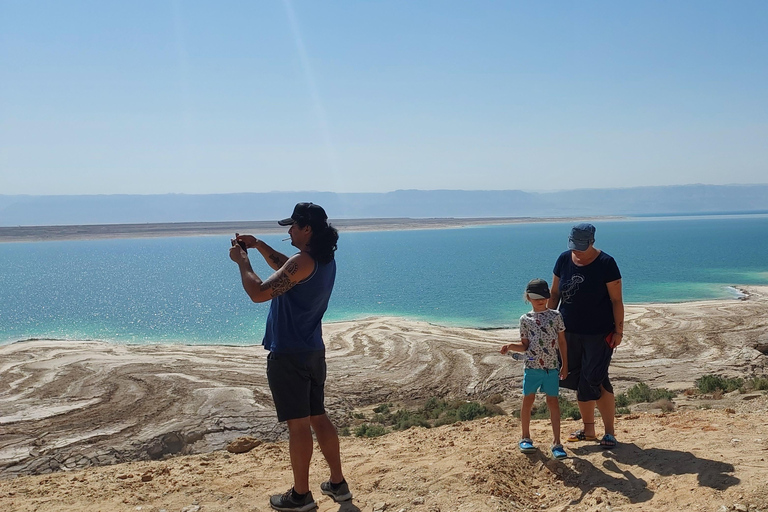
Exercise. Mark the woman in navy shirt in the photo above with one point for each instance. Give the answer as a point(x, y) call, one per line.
point(586, 288)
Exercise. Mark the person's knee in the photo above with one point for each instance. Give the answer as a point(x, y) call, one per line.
point(587, 392)
point(298, 424)
point(321, 422)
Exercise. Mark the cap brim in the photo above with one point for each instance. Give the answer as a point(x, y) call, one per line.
point(578, 245)
point(536, 296)
point(286, 222)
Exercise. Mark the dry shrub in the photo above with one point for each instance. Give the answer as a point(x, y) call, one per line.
point(494, 399)
point(665, 405)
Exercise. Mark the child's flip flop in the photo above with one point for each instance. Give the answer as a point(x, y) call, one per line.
point(526, 445)
point(558, 451)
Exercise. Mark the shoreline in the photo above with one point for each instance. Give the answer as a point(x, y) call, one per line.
point(742, 294)
point(183, 229)
point(37, 233)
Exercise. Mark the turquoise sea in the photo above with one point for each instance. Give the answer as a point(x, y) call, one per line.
point(186, 290)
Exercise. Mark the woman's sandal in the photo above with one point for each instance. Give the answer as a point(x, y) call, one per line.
point(608, 441)
point(579, 435)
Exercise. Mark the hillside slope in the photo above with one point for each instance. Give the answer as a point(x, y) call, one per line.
point(695, 459)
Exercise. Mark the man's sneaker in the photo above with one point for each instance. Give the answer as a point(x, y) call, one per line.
point(339, 492)
point(291, 501)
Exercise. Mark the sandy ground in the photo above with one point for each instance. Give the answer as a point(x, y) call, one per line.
point(91, 426)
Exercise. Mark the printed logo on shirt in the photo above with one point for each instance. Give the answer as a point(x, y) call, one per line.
point(569, 288)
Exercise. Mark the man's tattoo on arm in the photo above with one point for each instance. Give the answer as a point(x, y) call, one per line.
point(277, 259)
point(281, 285)
point(292, 268)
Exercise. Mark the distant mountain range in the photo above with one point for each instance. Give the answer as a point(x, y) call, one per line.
point(22, 210)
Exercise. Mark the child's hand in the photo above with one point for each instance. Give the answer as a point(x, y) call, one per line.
point(563, 372)
point(504, 349)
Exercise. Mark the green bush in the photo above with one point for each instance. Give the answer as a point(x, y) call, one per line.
point(413, 421)
point(382, 409)
point(404, 419)
point(471, 410)
point(642, 392)
point(435, 412)
point(569, 409)
point(759, 383)
point(712, 383)
point(366, 430)
point(434, 408)
point(447, 418)
point(381, 418)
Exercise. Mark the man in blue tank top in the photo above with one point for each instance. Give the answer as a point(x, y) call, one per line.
point(299, 290)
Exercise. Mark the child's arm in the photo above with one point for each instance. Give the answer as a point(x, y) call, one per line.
point(520, 346)
point(563, 346)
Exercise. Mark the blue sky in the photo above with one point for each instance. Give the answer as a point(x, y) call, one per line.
point(146, 97)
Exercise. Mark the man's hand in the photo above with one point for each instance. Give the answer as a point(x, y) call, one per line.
point(563, 372)
point(237, 254)
point(250, 240)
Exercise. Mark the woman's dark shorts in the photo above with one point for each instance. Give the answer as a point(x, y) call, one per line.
point(297, 383)
point(588, 359)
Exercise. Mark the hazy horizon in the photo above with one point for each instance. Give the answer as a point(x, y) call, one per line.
point(23, 210)
point(308, 191)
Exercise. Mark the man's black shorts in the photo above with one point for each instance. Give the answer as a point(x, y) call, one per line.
point(297, 383)
point(588, 359)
